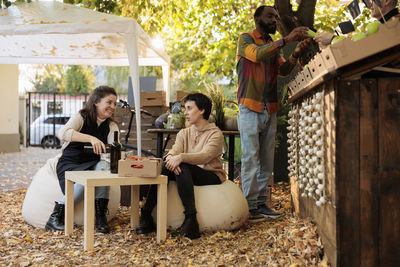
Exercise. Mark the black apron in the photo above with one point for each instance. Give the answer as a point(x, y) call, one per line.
point(74, 158)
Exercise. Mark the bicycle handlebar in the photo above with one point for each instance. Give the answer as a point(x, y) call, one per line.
point(125, 104)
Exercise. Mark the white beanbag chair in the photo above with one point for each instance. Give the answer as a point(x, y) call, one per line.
point(219, 207)
point(45, 190)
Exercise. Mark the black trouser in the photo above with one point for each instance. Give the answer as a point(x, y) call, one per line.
point(191, 175)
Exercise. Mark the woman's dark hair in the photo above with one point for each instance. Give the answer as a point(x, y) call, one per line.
point(202, 102)
point(89, 112)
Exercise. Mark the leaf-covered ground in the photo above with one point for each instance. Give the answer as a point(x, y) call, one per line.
point(285, 241)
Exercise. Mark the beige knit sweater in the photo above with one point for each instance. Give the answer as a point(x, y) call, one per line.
point(201, 147)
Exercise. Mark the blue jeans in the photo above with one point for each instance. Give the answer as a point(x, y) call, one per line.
point(99, 191)
point(257, 135)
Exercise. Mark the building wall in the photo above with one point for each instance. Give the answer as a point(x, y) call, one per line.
point(9, 134)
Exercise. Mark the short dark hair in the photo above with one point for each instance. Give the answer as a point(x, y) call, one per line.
point(202, 102)
point(89, 112)
point(260, 10)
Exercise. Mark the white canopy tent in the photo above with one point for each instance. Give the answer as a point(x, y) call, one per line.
point(58, 33)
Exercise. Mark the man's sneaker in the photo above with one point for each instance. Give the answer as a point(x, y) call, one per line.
point(255, 216)
point(267, 212)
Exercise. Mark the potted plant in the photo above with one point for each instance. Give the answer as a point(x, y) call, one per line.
point(216, 95)
point(230, 116)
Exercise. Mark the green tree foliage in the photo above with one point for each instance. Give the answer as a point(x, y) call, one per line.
point(201, 36)
point(48, 78)
point(79, 79)
point(63, 79)
point(6, 3)
point(117, 77)
point(105, 6)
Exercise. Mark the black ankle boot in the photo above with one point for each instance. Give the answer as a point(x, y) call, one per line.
point(56, 220)
point(146, 224)
point(189, 228)
point(101, 205)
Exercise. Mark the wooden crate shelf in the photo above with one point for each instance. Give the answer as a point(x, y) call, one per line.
point(362, 167)
point(149, 141)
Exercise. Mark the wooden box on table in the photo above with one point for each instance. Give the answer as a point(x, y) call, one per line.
point(140, 167)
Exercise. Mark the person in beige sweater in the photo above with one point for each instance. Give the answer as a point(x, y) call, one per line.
point(195, 159)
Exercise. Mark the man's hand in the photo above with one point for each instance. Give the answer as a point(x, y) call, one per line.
point(325, 38)
point(297, 34)
point(172, 163)
point(301, 47)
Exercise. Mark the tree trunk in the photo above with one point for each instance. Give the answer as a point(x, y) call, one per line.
point(289, 19)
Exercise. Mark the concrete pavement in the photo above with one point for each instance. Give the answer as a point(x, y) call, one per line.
point(17, 169)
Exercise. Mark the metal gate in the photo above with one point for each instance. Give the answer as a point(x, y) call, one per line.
point(46, 113)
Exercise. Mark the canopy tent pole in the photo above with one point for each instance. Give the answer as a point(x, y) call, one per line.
point(165, 72)
point(132, 50)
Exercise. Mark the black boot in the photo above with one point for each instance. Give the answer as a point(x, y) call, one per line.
point(101, 219)
point(56, 220)
point(146, 224)
point(189, 227)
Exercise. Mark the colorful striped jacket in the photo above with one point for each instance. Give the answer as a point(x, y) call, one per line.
point(258, 65)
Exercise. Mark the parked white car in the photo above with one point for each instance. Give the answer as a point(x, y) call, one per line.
point(44, 130)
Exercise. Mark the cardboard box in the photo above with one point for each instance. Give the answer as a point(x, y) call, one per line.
point(299, 81)
point(314, 70)
point(157, 98)
point(348, 51)
point(293, 87)
point(308, 75)
point(148, 167)
point(319, 65)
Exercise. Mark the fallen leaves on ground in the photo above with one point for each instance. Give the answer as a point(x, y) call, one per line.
point(286, 241)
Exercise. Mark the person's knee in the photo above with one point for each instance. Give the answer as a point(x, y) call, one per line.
point(185, 167)
point(164, 170)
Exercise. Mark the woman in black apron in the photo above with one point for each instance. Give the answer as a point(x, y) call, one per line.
point(93, 124)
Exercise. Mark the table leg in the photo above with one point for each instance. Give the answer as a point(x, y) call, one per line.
point(231, 157)
point(69, 207)
point(135, 206)
point(161, 212)
point(165, 144)
point(88, 228)
point(159, 144)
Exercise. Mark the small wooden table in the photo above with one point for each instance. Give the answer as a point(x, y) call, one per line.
point(91, 179)
point(231, 149)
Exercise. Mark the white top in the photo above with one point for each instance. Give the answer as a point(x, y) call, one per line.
point(75, 123)
point(57, 33)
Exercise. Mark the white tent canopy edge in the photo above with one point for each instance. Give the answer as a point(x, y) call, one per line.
point(58, 33)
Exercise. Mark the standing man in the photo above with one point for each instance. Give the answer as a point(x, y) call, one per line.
point(258, 65)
